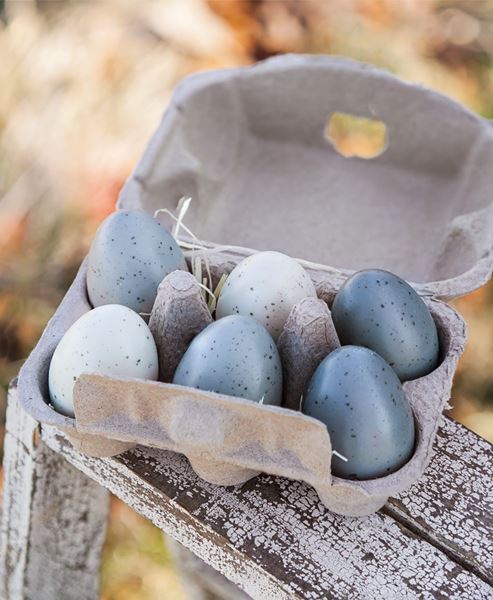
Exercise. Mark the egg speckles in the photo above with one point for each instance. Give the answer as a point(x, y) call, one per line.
point(381, 311)
point(265, 286)
point(129, 257)
point(108, 340)
point(235, 356)
point(361, 401)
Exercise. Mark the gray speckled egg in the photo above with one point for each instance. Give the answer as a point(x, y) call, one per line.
point(235, 356)
point(129, 257)
point(361, 401)
point(379, 310)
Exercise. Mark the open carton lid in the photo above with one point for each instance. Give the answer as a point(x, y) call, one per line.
point(249, 146)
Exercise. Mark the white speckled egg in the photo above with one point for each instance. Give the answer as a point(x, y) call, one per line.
point(265, 286)
point(108, 340)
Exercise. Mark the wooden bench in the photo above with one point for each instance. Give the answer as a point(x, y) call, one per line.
point(272, 537)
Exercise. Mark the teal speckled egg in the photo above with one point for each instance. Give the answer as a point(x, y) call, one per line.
point(361, 401)
point(235, 356)
point(379, 310)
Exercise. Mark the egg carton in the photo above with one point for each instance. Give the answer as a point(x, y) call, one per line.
point(248, 145)
point(229, 440)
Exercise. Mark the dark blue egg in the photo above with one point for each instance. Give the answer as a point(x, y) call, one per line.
point(361, 401)
point(235, 356)
point(129, 257)
point(379, 310)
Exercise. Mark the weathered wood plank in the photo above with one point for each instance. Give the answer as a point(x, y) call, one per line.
point(169, 515)
point(200, 581)
point(273, 537)
point(452, 504)
point(53, 520)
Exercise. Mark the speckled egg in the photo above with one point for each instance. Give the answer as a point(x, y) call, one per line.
point(361, 401)
point(129, 257)
point(379, 310)
point(108, 340)
point(235, 356)
point(265, 286)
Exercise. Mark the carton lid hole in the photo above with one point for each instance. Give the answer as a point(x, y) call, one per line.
point(353, 136)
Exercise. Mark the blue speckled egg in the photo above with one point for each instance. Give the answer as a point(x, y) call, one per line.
point(129, 257)
point(361, 401)
point(379, 310)
point(235, 356)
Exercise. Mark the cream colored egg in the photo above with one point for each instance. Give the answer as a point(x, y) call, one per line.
point(108, 340)
point(265, 286)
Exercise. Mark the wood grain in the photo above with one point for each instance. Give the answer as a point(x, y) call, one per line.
point(274, 538)
point(53, 520)
point(271, 536)
point(452, 504)
point(200, 581)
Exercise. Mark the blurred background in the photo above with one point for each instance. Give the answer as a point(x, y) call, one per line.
point(82, 88)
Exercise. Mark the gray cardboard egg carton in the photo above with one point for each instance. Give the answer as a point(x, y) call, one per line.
point(248, 146)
